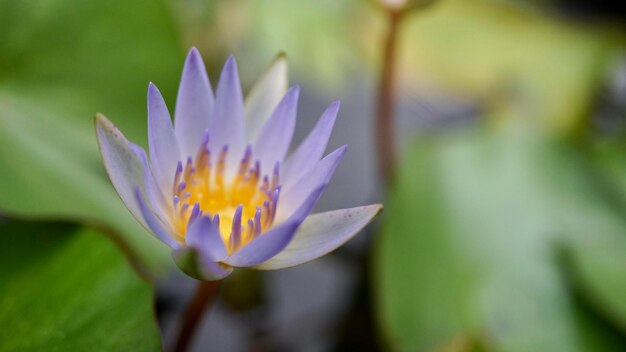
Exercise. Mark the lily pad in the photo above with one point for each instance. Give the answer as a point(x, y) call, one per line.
point(66, 288)
point(472, 244)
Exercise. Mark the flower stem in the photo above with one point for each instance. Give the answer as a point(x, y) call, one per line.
point(385, 110)
point(205, 294)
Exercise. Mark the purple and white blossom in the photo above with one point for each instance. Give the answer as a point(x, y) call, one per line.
point(219, 188)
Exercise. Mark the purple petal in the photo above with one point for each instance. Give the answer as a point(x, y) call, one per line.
point(227, 127)
point(204, 235)
point(127, 167)
point(124, 168)
point(320, 175)
point(273, 142)
point(194, 264)
point(235, 234)
point(155, 196)
point(194, 104)
point(322, 233)
point(152, 222)
point(265, 94)
point(310, 151)
point(276, 239)
point(164, 152)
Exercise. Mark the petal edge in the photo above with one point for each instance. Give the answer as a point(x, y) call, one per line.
point(322, 233)
point(227, 127)
point(163, 146)
point(276, 239)
point(121, 163)
point(273, 141)
point(204, 235)
point(265, 95)
point(312, 148)
point(194, 104)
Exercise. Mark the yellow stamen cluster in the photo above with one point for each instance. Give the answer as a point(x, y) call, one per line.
point(201, 188)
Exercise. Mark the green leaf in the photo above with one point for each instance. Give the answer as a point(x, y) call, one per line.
point(490, 50)
point(599, 267)
point(483, 50)
point(61, 63)
point(69, 289)
point(471, 243)
point(610, 162)
point(319, 37)
point(591, 206)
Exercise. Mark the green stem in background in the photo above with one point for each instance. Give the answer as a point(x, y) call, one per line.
point(385, 110)
point(205, 294)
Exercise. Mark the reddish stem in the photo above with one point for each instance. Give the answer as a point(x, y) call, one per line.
point(205, 294)
point(385, 136)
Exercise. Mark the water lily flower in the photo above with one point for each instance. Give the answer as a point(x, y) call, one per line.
point(219, 188)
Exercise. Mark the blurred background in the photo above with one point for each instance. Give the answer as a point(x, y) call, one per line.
point(505, 220)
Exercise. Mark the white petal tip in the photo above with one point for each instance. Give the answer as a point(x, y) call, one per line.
point(152, 89)
point(102, 121)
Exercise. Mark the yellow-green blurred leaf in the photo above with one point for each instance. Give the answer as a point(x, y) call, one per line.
point(488, 50)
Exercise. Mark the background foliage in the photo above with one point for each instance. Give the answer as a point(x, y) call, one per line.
point(505, 228)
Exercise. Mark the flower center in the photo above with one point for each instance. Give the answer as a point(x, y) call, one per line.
point(245, 204)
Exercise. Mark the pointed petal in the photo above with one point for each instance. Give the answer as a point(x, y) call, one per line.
point(152, 222)
point(194, 264)
point(264, 96)
point(276, 239)
point(227, 127)
point(126, 164)
point(194, 104)
point(310, 151)
point(204, 235)
point(153, 194)
point(320, 175)
point(273, 142)
point(164, 152)
point(322, 233)
point(124, 168)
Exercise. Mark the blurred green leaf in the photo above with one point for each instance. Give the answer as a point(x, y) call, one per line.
point(600, 269)
point(591, 206)
point(481, 49)
point(60, 63)
point(471, 245)
point(487, 50)
point(69, 289)
point(610, 161)
point(597, 334)
point(320, 38)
